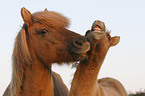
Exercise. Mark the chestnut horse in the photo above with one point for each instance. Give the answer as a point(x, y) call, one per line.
point(44, 39)
point(85, 81)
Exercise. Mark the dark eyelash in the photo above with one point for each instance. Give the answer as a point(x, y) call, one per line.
point(108, 35)
point(44, 31)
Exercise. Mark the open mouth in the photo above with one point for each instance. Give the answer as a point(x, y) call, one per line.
point(97, 28)
point(98, 25)
point(97, 31)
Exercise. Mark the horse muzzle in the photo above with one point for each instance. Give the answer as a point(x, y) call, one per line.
point(80, 46)
point(97, 31)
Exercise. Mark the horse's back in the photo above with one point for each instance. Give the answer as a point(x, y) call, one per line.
point(60, 88)
point(112, 86)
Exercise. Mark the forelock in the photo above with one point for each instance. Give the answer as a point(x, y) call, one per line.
point(52, 19)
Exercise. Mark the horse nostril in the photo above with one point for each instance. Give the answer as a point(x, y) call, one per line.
point(78, 43)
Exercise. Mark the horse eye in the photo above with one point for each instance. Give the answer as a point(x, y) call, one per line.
point(109, 37)
point(44, 31)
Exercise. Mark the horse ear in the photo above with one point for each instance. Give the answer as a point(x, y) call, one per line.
point(115, 40)
point(45, 10)
point(27, 16)
point(88, 31)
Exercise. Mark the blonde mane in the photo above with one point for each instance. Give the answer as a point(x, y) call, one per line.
point(51, 19)
point(21, 59)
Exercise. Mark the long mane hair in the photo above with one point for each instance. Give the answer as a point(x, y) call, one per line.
point(21, 59)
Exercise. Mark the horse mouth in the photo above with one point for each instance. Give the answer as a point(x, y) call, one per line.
point(98, 25)
point(97, 31)
point(80, 49)
point(96, 28)
point(79, 56)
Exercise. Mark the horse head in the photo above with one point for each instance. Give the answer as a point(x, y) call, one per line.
point(47, 36)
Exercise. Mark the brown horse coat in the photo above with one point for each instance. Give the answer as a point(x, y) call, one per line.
point(85, 81)
point(44, 39)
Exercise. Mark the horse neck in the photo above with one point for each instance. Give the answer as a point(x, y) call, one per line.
point(36, 81)
point(30, 78)
point(85, 79)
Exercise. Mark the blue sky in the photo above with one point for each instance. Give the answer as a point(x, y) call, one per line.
point(125, 18)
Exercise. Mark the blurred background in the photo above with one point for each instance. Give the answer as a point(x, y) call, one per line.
point(125, 18)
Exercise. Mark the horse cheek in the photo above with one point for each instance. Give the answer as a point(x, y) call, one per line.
point(45, 53)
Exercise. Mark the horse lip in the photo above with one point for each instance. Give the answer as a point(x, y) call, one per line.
point(98, 34)
point(96, 28)
point(98, 24)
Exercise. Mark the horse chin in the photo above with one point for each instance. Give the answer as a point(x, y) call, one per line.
point(79, 49)
point(80, 53)
point(78, 57)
